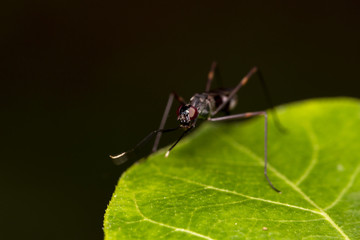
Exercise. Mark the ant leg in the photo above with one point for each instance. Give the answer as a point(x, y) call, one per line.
point(214, 72)
point(163, 121)
point(235, 90)
point(269, 101)
point(210, 76)
point(125, 156)
point(165, 116)
point(265, 91)
point(247, 115)
point(177, 141)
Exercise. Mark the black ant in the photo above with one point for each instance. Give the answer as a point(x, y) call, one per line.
point(205, 106)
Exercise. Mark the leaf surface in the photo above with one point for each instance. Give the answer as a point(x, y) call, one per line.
point(212, 185)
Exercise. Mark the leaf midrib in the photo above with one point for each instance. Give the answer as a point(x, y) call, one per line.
point(293, 185)
point(320, 211)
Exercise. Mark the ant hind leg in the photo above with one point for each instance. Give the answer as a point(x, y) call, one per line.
point(247, 115)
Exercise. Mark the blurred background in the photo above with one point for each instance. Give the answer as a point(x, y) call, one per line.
point(84, 79)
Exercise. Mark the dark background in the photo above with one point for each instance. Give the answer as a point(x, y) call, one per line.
point(83, 79)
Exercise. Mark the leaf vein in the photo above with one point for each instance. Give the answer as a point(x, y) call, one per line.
point(169, 226)
point(319, 236)
point(285, 220)
point(314, 158)
point(236, 193)
point(287, 181)
point(345, 189)
point(212, 205)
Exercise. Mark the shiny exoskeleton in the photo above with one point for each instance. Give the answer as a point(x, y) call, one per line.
point(205, 106)
point(202, 105)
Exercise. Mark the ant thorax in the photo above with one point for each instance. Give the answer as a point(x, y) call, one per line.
point(204, 104)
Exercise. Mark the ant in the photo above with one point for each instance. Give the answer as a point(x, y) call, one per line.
point(205, 106)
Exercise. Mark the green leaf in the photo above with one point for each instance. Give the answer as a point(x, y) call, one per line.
point(212, 185)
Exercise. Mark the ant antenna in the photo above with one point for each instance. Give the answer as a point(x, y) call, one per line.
point(182, 135)
point(123, 157)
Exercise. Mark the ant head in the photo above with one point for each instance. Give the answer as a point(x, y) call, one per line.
point(186, 115)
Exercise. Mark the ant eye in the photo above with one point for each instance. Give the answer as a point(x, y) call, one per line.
point(193, 113)
point(178, 110)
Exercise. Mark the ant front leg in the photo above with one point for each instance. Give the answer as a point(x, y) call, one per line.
point(165, 116)
point(247, 115)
